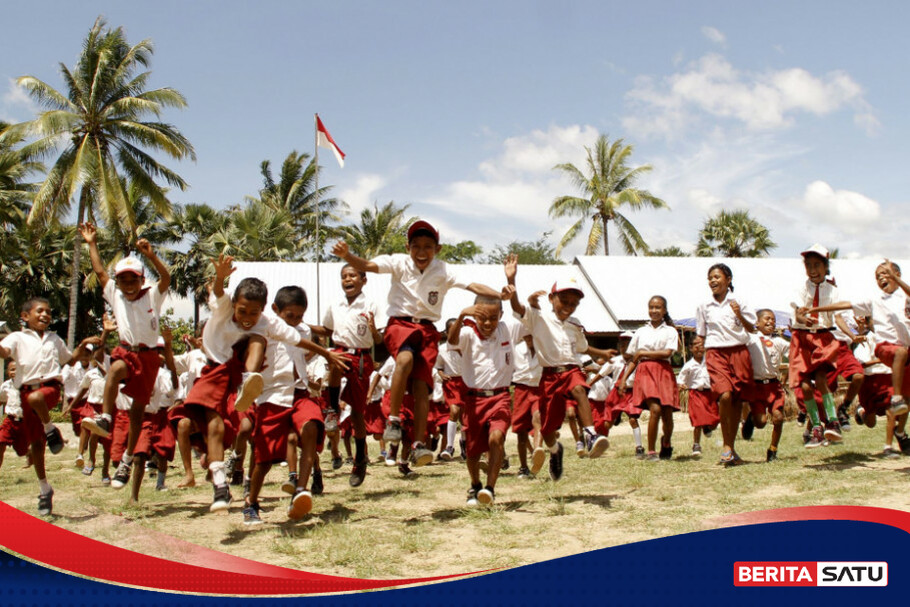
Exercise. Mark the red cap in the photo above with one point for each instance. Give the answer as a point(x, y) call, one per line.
point(422, 225)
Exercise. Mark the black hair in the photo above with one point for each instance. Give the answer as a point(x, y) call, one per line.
point(449, 323)
point(486, 300)
point(31, 302)
point(252, 289)
point(824, 259)
point(667, 318)
point(896, 267)
point(347, 265)
point(725, 270)
point(765, 311)
point(290, 296)
point(423, 232)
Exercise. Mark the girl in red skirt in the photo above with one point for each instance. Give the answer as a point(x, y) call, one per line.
point(725, 323)
point(655, 385)
point(694, 377)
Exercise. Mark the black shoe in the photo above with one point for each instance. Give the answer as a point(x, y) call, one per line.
point(46, 503)
point(858, 416)
point(98, 426)
point(801, 418)
point(237, 477)
point(358, 473)
point(337, 463)
point(54, 440)
point(505, 463)
point(434, 444)
point(772, 456)
point(707, 431)
point(463, 447)
point(524, 473)
point(392, 433)
point(748, 428)
point(406, 470)
point(666, 452)
point(556, 463)
point(121, 476)
point(251, 515)
point(222, 499)
point(640, 453)
point(420, 456)
point(290, 486)
point(904, 442)
point(316, 486)
point(844, 419)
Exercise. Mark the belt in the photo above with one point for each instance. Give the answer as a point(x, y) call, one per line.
point(411, 319)
point(492, 392)
point(139, 348)
point(559, 369)
point(359, 353)
point(767, 381)
point(44, 384)
point(814, 330)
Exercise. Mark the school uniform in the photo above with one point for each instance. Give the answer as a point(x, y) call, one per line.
point(372, 417)
point(813, 347)
point(601, 384)
point(525, 387)
point(120, 431)
point(38, 361)
point(449, 363)
point(726, 354)
point(12, 431)
point(72, 378)
point(137, 326)
point(766, 393)
point(846, 365)
point(93, 384)
point(877, 389)
point(351, 335)
point(702, 409)
point(617, 402)
point(406, 414)
point(890, 325)
point(487, 373)
point(654, 379)
point(415, 303)
point(558, 344)
point(157, 437)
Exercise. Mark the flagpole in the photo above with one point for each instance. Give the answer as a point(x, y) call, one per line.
point(316, 195)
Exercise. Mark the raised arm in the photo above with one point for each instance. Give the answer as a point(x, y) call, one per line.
point(224, 267)
point(455, 330)
point(90, 236)
point(342, 250)
point(164, 274)
point(168, 338)
point(891, 273)
point(336, 359)
point(95, 340)
point(510, 265)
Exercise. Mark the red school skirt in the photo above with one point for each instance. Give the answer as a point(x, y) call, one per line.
point(703, 409)
point(730, 369)
point(655, 379)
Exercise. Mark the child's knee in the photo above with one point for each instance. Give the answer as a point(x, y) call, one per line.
point(497, 439)
point(570, 413)
point(404, 361)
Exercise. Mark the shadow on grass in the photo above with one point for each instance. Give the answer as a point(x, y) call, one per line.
point(845, 461)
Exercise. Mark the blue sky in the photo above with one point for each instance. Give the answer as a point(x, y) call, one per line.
point(796, 111)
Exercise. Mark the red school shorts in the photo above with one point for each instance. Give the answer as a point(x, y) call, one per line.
point(120, 434)
point(765, 396)
point(846, 365)
point(810, 352)
point(199, 427)
point(360, 367)
point(157, 437)
point(526, 400)
point(703, 409)
point(141, 373)
point(875, 393)
point(482, 415)
point(554, 396)
point(621, 403)
point(79, 411)
point(885, 352)
point(31, 423)
point(655, 379)
point(438, 414)
point(730, 369)
point(13, 434)
point(602, 414)
point(421, 338)
point(373, 418)
point(454, 391)
point(275, 423)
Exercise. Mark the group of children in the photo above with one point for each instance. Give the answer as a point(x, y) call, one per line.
point(250, 377)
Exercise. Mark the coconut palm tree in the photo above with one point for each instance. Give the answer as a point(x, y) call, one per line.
point(100, 120)
point(381, 230)
point(17, 163)
point(734, 234)
point(256, 232)
point(608, 186)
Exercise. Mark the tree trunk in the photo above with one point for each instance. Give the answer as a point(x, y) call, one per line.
point(75, 278)
point(606, 223)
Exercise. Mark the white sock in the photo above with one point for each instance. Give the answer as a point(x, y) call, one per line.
point(636, 434)
point(48, 427)
point(127, 459)
point(554, 448)
point(394, 418)
point(451, 430)
point(106, 416)
point(217, 470)
point(44, 487)
point(897, 398)
point(590, 430)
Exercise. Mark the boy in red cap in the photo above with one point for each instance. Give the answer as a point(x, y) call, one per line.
point(419, 285)
point(558, 338)
point(134, 363)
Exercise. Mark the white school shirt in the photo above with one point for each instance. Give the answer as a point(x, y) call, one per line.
point(93, 384)
point(449, 360)
point(557, 342)
point(298, 355)
point(694, 375)
point(651, 338)
point(378, 389)
point(350, 322)
point(278, 375)
point(839, 335)
point(865, 351)
point(38, 357)
point(889, 316)
point(190, 365)
point(527, 367)
point(164, 394)
point(488, 362)
point(437, 396)
point(221, 332)
point(318, 372)
point(600, 389)
point(767, 353)
point(803, 298)
point(9, 398)
point(137, 320)
point(72, 378)
point(716, 322)
point(414, 293)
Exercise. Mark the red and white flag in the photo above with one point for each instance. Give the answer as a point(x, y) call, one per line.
point(324, 140)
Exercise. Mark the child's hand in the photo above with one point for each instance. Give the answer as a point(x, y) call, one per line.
point(534, 299)
point(94, 340)
point(371, 323)
point(341, 249)
point(144, 247)
point(511, 267)
point(734, 305)
point(167, 335)
point(889, 270)
point(508, 292)
point(224, 266)
point(469, 311)
point(108, 324)
point(337, 360)
point(89, 233)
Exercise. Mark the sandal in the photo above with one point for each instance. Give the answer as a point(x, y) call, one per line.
point(727, 457)
point(87, 470)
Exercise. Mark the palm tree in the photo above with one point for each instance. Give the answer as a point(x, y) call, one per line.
point(17, 162)
point(381, 230)
point(671, 251)
point(256, 232)
point(734, 234)
point(295, 192)
point(608, 186)
point(100, 120)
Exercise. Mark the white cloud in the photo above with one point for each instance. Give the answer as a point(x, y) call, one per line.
point(362, 194)
point(714, 35)
point(16, 105)
point(848, 212)
point(760, 100)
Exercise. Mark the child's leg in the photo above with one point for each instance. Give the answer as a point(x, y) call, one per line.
point(583, 405)
point(115, 375)
point(421, 409)
point(404, 363)
point(730, 412)
point(666, 415)
point(777, 428)
point(856, 384)
point(653, 423)
point(138, 474)
point(524, 445)
point(161, 465)
point(452, 424)
point(571, 416)
point(105, 463)
point(889, 429)
point(821, 380)
point(696, 434)
point(255, 354)
point(497, 441)
point(535, 425)
point(292, 453)
point(184, 429)
point(335, 376)
point(257, 478)
point(809, 401)
point(309, 436)
point(42, 410)
point(92, 449)
point(636, 430)
point(897, 372)
point(473, 464)
point(347, 445)
point(137, 412)
point(2, 451)
point(83, 439)
point(215, 446)
point(359, 425)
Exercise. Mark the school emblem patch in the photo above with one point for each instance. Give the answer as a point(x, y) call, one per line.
point(361, 330)
point(433, 298)
point(508, 359)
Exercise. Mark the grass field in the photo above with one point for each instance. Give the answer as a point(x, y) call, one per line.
point(393, 527)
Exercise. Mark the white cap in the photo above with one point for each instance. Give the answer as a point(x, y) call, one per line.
point(160, 343)
point(567, 284)
point(626, 335)
point(816, 249)
point(129, 264)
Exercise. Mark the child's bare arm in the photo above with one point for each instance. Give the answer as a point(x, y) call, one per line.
point(164, 274)
point(336, 359)
point(891, 272)
point(608, 353)
point(168, 338)
point(90, 236)
point(371, 321)
point(483, 290)
point(224, 267)
point(510, 265)
point(342, 250)
point(748, 326)
point(835, 307)
point(77, 353)
point(455, 329)
point(320, 331)
point(373, 383)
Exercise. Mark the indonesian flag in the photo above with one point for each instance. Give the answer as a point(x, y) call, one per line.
point(324, 140)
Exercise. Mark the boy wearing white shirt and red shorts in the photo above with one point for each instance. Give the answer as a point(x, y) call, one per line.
point(559, 339)
point(419, 285)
